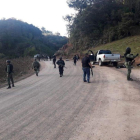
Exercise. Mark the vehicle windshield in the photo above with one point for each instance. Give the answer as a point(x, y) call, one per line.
point(105, 52)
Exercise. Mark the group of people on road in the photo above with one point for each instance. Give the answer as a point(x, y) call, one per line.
point(86, 66)
point(60, 63)
point(43, 57)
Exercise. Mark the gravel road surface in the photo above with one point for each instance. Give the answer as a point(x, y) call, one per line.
point(49, 107)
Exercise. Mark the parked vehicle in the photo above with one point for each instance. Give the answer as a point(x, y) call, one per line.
point(37, 55)
point(105, 57)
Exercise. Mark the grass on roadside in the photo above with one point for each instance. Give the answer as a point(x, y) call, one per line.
point(21, 66)
point(121, 45)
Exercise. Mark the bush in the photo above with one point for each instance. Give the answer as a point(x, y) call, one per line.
point(2, 55)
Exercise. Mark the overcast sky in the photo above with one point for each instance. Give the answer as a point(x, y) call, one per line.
point(40, 13)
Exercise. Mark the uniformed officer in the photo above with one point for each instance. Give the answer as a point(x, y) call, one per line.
point(54, 61)
point(129, 61)
point(36, 66)
point(9, 70)
point(61, 65)
point(74, 59)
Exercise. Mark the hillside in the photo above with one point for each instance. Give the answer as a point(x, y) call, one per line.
point(121, 45)
point(19, 39)
point(99, 22)
point(115, 46)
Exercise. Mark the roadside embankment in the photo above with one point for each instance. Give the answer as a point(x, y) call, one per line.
point(22, 69)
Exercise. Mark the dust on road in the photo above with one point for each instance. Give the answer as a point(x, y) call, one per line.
point(48, 107)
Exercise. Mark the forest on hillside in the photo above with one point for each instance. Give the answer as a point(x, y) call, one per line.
point(19, 39)
point(101, 21)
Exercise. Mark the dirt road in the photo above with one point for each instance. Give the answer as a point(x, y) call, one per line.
point(48, 107)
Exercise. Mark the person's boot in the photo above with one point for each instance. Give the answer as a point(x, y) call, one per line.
point(9, 87)
point(130, 79)
point(13, 85)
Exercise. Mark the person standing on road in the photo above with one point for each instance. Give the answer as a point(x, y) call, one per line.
point(54, 61)
point(86, 65)
point(74, 59)
point(9, 70)
point(36, 66)
point(61, 65)
point(77, 56)
point(129, 60)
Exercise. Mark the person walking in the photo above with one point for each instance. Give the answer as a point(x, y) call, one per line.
point(75, 60)
point(77, 56)
point(54, 61)
point(61, 65)
point(36, 66)
point(86, 65)
point(9, 70)
point(129, 60)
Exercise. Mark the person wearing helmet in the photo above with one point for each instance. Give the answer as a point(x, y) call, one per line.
point(128, 62)
point(36, 66)
point(61, 65)
point(9, 70)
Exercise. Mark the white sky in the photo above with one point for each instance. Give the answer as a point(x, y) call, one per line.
point(40, 13)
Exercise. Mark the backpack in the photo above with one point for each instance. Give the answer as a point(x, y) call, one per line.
point(36, 64)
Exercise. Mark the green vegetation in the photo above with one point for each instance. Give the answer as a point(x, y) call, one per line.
point(19, 39)
point(121, 45)
point(101, 21)
point(22, 67)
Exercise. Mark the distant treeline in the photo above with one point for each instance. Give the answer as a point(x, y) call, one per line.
point(18, 39)
point(101, 21)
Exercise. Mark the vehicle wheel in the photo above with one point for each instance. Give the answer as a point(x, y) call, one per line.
point(106, 63)
point(115, 64)
point(94, 63)
point(100, 63)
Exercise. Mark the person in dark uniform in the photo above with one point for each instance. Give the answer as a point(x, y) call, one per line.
point(9, 70)
point(74, 59)
point(128, 62)
point(61, 65)
point(86, 65)
point(36, 66)
point(54, 61)
point(77, 56)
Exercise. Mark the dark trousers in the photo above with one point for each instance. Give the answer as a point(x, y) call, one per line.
point(60, 70)
point(54, 63)
point(10, 78)
point(74, 62)
point(86, 72)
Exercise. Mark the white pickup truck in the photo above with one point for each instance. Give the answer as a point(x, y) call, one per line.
point(106, 56)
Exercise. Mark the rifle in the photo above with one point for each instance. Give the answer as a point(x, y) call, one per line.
point(63, 66)
point(132, 62)
point(92, 72)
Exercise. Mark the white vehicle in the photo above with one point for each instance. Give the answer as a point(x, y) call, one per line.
point(37, 55)
point(106, 57)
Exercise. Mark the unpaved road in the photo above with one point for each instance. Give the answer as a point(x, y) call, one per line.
point(52, 108)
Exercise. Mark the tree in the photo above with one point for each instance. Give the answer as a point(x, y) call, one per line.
point(17, 37)
point(101, 20)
